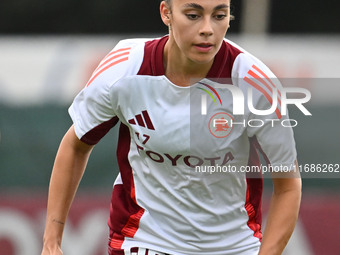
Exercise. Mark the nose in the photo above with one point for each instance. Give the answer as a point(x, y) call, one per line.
point(206, 27)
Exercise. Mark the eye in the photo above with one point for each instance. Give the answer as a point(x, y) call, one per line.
point(220, 16)
point(192, 16)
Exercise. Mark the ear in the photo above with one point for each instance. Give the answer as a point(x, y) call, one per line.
point(165, 13)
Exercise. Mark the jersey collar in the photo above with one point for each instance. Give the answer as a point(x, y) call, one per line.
point(216, 70)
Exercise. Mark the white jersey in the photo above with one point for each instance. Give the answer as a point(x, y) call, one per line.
point(164, 198)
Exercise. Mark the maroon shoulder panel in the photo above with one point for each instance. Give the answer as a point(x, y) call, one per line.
point(153, 57)
point(224, 61)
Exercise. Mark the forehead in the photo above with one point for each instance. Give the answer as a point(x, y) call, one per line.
point(203, 3)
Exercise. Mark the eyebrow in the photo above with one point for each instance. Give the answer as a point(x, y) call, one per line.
point(200, 7)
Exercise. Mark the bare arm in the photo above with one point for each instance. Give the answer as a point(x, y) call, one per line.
point(282, 215)
point(68, 170)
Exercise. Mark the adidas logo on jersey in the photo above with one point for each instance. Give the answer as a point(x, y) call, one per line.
point(142, 120)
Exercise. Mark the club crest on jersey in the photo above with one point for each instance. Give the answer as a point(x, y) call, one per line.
point(220, 124)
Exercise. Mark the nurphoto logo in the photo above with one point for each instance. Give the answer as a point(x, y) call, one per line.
point(222, 123)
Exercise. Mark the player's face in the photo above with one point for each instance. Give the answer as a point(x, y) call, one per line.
point(197, 27)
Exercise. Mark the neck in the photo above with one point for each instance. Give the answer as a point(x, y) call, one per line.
point(179, 69)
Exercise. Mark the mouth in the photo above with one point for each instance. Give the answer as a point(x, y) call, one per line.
point(204, 47)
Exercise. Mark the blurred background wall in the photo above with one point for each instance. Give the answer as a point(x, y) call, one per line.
point(48, 50)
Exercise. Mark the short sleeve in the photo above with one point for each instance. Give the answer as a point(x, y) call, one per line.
point(92, 111)
point(272, 130)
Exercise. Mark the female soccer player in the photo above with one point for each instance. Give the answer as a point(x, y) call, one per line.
point(164, 200)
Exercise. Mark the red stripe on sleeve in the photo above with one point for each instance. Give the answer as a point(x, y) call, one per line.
point(264, 74)
point(112, 58)
point(105, 68)
point(258, 78)
point(259, 88)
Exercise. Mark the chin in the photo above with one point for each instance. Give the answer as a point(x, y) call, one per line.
point(202, 60)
